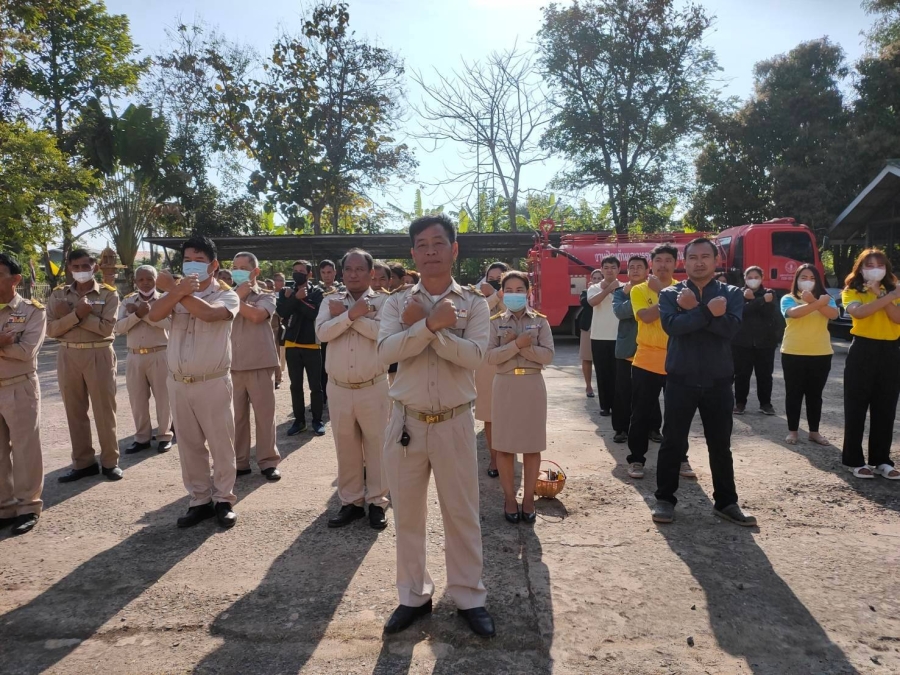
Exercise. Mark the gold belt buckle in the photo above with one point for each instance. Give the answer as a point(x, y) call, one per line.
point(356, 385)
point(143, 350)
point(432, 419)
point(188, 380)
point(519, 371)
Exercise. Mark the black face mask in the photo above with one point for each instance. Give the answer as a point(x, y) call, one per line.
point(495, 284)
point(300, 278)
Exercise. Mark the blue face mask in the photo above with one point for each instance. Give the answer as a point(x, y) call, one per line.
point(240, 276)
point(514, 301)
point(198, 268)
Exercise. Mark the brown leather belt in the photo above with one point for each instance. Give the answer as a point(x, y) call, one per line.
point(85, 345)
point(13, 380)
point(359, 385)
point(147, 350)
point(435, 418)
point(192, 379)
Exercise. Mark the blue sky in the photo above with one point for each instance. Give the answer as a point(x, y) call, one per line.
point(429, 35)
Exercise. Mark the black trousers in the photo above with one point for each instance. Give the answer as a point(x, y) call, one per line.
point(309, 360)
point(645, 415)
point(747, 360)
point(871, 383)
point(804, 378)
point(603, 352)
point(715, 405)
point(324, 346)
point(621, 413)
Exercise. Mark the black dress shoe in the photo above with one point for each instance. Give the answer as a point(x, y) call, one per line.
point(197, 514)
point(137, 447)
point(271, 473)
point(377, 521)
point(479, 621)
point(164, 446)
point(404, 616)
point(244, 472)
point(493, 473)
point(296, 428)
point(225, 515)
point(605, 412)
point(529, 517)
point(25, 523)
point(655, 436)
point(319, 428)
point(77, 474)
point(113, 473)
point(278, 385)
point(347, 515)
point(511, 517)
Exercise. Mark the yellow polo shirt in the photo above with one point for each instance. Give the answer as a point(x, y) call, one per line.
point(878, 326)
point(652, 340)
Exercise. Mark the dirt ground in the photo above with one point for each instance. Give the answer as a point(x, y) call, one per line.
point(107, 584)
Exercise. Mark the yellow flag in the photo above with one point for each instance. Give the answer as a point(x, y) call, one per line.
point(54, 268)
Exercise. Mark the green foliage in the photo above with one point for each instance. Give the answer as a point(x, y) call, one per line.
point(417, 211)
point(886, 29)
point(632, 81)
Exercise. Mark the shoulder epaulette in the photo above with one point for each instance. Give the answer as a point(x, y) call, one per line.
point(34, 303)
point(537, 313)
point(110, 288)
point(223, 286)
point(475, 290)
point(130, 295)
point(333, 290)
point(60, 287)
point(497, 316)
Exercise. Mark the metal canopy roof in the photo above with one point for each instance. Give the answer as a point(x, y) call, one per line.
point(871, 207)
point(500, 246)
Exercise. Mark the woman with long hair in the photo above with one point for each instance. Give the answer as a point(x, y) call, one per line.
point(484, 374)
point(806, 350)
point(872, 371)
point(521, 345)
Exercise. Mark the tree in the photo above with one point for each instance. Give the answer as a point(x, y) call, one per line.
point(632, 81)
point(496, 108)
point(886, 29)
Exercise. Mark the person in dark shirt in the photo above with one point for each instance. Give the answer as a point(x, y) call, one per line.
point(700, 316)
point(753, 348)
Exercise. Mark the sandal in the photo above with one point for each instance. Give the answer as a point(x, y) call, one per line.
point(590, 394)
point(864, 471)
point(887, 471)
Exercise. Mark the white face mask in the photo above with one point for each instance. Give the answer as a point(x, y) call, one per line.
point(873, 273)
point(806, 285)
point(753, 284)
point(82, 277)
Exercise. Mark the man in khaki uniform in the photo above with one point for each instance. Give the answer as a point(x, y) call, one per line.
point(254, 363)
point(438, 333)
point(23, 324)
point(145, 369)
point(81, 317)
point(357, 388)
point(200, 389)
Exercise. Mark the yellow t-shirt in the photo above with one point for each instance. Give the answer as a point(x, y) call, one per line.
point(806, 335)
point(878, 326)
point(652, 340)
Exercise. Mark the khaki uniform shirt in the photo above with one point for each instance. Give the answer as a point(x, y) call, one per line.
point(508, 357)
point(142, 333)
point(199, 347)
point(253, 344)
point(95, 327)
point(27, 319)
point(435, 375)
point(352, 354)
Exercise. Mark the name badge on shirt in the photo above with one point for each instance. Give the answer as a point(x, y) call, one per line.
point(462, 313)
point(536, 326)
point(97, 302)
point(16, 318)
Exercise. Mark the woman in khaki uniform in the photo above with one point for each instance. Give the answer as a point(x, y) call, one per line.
point(484, 374)
point(521, 344)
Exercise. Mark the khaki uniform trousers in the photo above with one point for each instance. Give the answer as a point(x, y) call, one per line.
point(448, 448)
point(87, 378)
point(203, 414)
point(357, 421)
point(21, 464)
point(255, 388)
point(145, 373)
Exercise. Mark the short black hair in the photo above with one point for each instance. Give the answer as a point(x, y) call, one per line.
point(11, 264)
point(327, 263)
point(664, 248)
point(611, 259)
point(701, 240)
point(383, 266)
point(516, 274)
point(419, 225)
point(638, 257)
point(497, 265)
point(305, 263)
point(202, 244)
point(78, 254)
point(397, 270)
point(370, 261)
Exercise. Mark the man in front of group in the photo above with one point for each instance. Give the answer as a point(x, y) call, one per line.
point(200, 389)
point(145, 368)
point(298, 306)
point(604, 329)
point(438, 332)
point(23, 325)
point(701, 316)
point(254, 362)
point(82, 317)
point(349, 320)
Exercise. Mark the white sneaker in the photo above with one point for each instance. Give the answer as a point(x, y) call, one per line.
point(636, 470)
point(686, 471)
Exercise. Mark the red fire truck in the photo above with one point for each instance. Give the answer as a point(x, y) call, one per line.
point(559, 274)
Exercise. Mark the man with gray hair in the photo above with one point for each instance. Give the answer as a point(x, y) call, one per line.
point(146, 370)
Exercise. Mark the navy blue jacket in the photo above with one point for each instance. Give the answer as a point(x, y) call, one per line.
point(699, 351)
